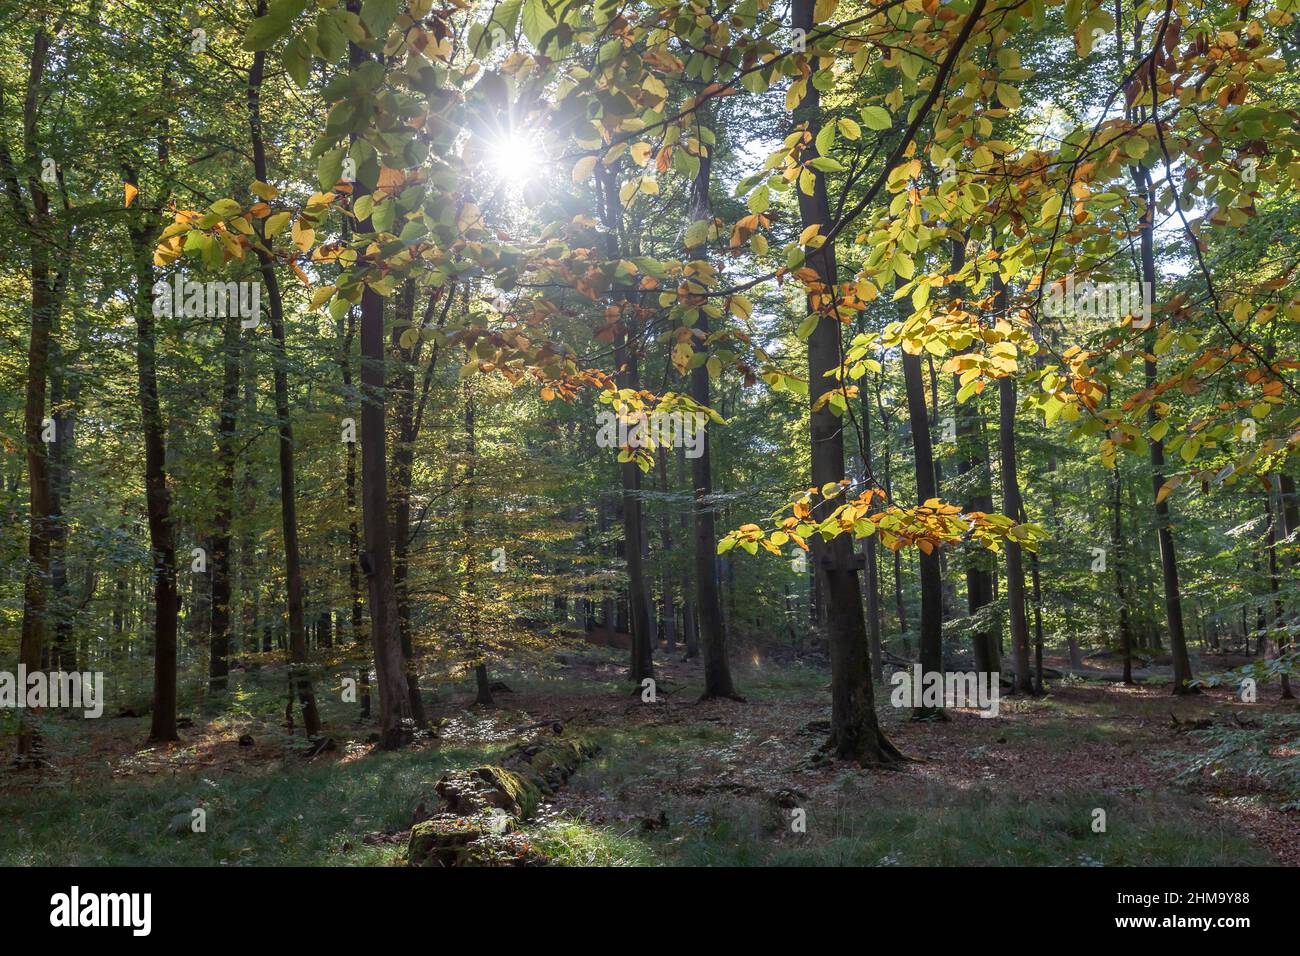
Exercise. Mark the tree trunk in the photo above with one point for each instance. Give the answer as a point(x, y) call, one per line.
point(1276, 530)
point(931, 642)
point(1013, 508)
point(667, 602)
point(713, 637)
point(44, 311)
point(219, 609)
point(377, 560)
point(1168, 558)
point(1121, 592)
point(626, 344)
point(855, 732)
point(299, 672)
point(870, 554)
point(1290, 511)
point(157, 494)
point(690, 626)
point(403, 459)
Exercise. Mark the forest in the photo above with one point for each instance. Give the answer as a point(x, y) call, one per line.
point(649, 433)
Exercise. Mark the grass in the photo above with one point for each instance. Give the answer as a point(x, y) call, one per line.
point(979, 828)
point(282, 816)
point(290, 812)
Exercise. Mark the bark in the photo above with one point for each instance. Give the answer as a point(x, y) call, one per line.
point(1168, 557)
point(157, 494)
point(931, 641)
point(713, 637)
point(299, 672)
point(1121, 592)
point(973, 467)
point(1013, 508)
point(45, 307)
point(667, 601)
point(377, 561)
point(403, 459)
point(626, 345)
point(870, 554)
point(483, 685)
point(886, 421)
point(690, 626)
point(855, 732)
point(360, 637)
point(219, 609)
point(1276, 530)
point(63, 411)
point(1290, 511)
point(461, 831)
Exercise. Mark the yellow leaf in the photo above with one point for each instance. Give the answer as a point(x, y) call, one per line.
point(131, 193)
point(583, 167)
point(303, 237)
point(275, 225)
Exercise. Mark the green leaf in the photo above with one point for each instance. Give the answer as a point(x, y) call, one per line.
point(537, 20)
point(297, 62)
point(264, 31)
point(824, 164)
point(825, 139)
point(697, 233)
point(329, 167)
point(876, 117)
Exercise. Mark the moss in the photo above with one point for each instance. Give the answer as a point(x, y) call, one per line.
point(483, 806)
point(510, 791)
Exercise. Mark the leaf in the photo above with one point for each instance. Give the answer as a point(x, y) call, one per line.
point(825, 139)
point(275, 225)
point(876, 117)
point(807, 326)
point(329, 167)
point(537, 21)
point(697, 233)
point(131, 193)
point(225, 208)
point(824, 164)
point(264, 31)
point(583, 168)
point(297, 62)
point(849, 129)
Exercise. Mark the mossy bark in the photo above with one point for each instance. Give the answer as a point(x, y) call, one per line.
point(480, 807)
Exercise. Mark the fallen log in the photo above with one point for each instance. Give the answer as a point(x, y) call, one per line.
point(481, 809)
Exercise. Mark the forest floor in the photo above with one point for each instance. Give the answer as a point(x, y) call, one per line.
point(677, 781)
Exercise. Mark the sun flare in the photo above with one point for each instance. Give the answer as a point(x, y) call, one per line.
point(514, 158)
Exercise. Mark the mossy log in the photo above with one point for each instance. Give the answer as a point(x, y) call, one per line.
point(479, 809)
